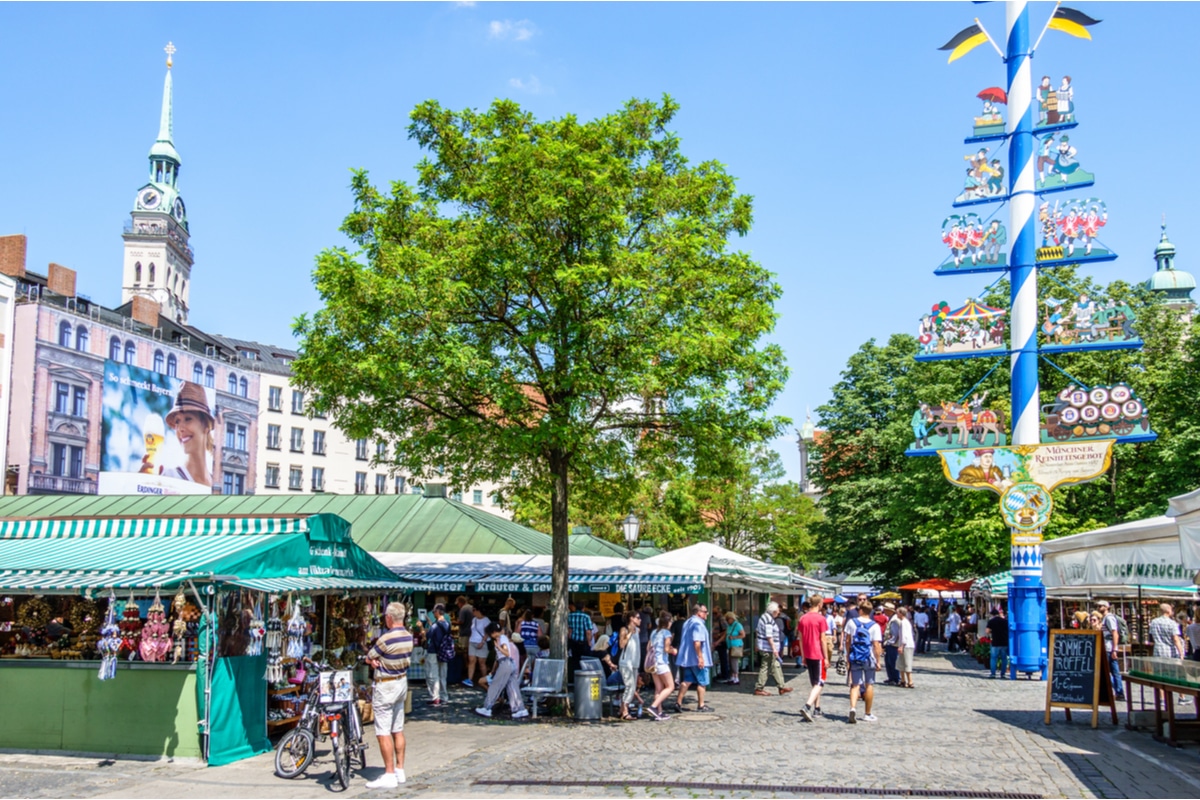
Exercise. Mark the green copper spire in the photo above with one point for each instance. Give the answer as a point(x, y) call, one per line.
point(164, 147)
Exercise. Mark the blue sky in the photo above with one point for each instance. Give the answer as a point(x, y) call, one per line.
point(842, 120)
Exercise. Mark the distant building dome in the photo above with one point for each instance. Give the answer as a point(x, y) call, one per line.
point(1173, 285)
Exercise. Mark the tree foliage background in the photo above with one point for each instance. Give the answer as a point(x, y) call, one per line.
point(896, 518)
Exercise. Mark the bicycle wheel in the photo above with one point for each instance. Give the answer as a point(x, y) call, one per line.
point(359, 744)
point(295, 753)
point(341, 759)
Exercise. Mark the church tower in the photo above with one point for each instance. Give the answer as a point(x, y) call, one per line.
point(158, 259)
point(1172, 286)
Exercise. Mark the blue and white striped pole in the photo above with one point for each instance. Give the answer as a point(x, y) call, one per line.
point(1026, 599)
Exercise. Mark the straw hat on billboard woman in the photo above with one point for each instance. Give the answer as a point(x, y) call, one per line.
point(193, 424)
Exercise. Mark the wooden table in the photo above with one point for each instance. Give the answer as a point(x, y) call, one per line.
point(1164, 695)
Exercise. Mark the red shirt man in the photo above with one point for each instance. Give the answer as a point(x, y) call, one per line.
point(813, 630)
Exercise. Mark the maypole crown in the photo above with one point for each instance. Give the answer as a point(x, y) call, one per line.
point(170, 51)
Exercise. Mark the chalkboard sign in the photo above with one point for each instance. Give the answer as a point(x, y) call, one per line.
point(1076, 663)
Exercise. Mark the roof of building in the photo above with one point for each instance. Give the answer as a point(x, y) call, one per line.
point(379, 523)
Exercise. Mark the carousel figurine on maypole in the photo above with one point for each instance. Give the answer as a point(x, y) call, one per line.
point(1088, 417)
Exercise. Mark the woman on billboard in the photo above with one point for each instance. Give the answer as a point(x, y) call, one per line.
point(193, 424)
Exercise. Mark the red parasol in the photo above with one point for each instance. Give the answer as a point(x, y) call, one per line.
point(995, 94)
point(939, 585)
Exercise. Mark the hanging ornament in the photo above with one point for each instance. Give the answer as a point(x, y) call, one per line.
point(155, 635)
point(274, 644)
point(179, 626)
point(131, 627)
point(258, 630)
point(110, 641)
point(295, 633)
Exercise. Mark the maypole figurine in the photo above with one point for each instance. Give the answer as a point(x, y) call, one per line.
point(1042, 159)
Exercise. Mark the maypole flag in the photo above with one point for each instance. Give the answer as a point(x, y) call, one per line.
point(965, 41)
point(1073, 22)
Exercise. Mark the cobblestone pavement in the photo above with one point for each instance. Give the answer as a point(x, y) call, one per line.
point(956, 734)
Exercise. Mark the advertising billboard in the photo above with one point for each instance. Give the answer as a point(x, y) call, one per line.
point(157, 433)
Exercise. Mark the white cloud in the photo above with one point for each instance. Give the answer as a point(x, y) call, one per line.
point(533, 85)
point(519, 31)
point(465, 4)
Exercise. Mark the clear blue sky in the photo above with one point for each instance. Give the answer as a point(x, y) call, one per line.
point(842, 120)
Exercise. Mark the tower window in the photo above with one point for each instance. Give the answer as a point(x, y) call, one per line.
point(114, 349)
point(172, 366)
point(64, 334)
point(137, 273)
point(168, 283)
point(197, 373)
point(130, 353)
point(160, 361)
point(81, 339)
point(151, 273)
point(210, 377)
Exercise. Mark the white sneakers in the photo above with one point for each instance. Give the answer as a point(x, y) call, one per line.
point(522, 714)
point(869, 718)
point(388, 780)
point(483, 712)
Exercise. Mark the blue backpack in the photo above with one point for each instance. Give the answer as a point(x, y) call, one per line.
point(614, 644)
point(861, 650)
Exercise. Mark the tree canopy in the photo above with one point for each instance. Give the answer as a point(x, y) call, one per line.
point(896, 518)
point(554, 304)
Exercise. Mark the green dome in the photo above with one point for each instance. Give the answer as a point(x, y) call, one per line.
point(1171, 280)
point(1171, 283)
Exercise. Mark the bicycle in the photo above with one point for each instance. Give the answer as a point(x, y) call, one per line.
point(331, 702)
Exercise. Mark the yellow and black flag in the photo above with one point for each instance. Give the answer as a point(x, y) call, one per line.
point(965, 41)
point(1075, 23)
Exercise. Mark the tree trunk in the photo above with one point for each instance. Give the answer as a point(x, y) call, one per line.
point(560, 549)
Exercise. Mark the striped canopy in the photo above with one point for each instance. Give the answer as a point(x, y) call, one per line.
point(275, 554)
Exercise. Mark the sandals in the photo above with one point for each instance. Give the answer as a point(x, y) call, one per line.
point(627, 718)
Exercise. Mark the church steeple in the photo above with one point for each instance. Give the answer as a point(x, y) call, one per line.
point(1172, 286)
point(158, 259)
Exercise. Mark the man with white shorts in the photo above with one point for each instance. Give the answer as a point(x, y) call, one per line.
point(390, 656)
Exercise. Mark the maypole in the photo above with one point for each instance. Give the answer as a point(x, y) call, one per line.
point(1070, 439)
point(1027, 595)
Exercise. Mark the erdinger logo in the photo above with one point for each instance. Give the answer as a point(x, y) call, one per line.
point(144, 489)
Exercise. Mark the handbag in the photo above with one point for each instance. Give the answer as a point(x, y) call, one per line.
point(650, 662)
point(299, 677)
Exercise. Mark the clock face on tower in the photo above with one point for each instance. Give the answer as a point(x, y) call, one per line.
point(149, 199)
point(178, 209)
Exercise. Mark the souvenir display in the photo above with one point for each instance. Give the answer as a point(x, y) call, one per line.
point(258, 630)
point(131, 628)
point(179, 628)
point(110, 641)
point(296, 631)
point(274, 645)
point(155, 634)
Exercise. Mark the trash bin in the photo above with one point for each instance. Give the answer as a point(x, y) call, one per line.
point(587, 695)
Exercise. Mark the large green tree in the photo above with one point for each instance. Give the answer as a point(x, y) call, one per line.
point(554, 304)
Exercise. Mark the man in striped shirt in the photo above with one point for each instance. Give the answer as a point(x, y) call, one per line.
point(390, 656)
point(581, 631)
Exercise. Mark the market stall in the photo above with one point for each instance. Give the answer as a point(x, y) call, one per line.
point(153, 635)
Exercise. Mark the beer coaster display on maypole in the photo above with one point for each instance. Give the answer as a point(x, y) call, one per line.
point(1027, 162)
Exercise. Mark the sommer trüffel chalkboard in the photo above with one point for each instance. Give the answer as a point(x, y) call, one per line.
point(1074, 681)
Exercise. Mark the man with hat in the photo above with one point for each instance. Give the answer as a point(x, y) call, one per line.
point(983, 472)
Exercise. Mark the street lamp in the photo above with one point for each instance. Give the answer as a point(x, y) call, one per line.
point(630, 526)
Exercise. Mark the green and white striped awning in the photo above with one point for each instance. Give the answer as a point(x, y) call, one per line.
point(994, 585)
point(70, 528)
point(755, 576)
point(271, 553)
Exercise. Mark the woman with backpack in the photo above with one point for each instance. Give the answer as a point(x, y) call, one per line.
point(439, 653)
point(658, 662)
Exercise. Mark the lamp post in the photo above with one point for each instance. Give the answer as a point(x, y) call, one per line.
point(630, 526)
